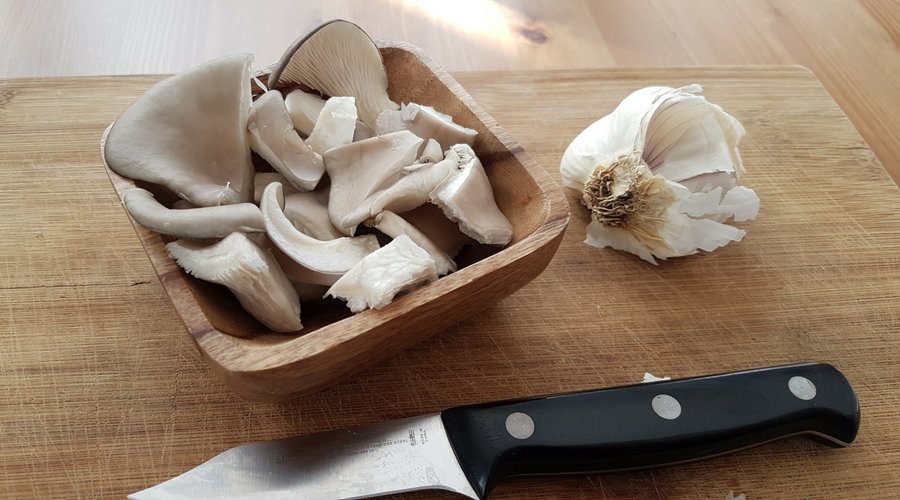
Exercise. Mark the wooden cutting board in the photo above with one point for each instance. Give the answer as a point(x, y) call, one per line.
point(104, 394)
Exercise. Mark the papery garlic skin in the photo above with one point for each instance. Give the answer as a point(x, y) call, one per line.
point(659, 175)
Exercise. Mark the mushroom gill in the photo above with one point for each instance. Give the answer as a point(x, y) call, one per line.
point(338, 59)
point(250, 272)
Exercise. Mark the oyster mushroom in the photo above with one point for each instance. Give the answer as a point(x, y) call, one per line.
point(197, 223)
point(263, 179)
point(427, 123)
point(433, 152)
point(309, 214)
point(410, 190)
point(304, 109)
point(189, 134)
point(393, 225)
point(273, 137)
point(328, 259)
point(443, 232)
point(396, 267)
point(338, 59)
point(362, 168)
point(250, 272)
point(335, 126)
point(466, 198)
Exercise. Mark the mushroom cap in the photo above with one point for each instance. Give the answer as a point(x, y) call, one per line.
point(250, 272)
point(427, 123)
point(338, 59)
point(273, 137)
point(189, 134)
point(197, 223)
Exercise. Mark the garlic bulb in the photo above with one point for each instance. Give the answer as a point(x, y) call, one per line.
point(659, 175)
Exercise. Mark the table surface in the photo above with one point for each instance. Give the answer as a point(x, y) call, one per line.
point(851, 45)
point(105, 392)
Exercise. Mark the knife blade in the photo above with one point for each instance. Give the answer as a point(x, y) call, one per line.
point(470, 449)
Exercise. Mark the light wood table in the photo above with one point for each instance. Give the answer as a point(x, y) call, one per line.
point(104, 392)
point(850, 45)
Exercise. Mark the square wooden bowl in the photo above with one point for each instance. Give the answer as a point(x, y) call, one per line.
point(262, 365)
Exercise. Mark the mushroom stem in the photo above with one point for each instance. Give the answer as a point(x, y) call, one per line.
point(198, 223)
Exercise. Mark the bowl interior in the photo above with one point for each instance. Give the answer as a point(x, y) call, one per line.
point(412, 78)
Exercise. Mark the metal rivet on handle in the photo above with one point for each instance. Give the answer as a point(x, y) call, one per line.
point(802, 387)
point(666, 406)
point(519, 425)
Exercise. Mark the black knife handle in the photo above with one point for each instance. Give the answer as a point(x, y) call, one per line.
point(650, 424)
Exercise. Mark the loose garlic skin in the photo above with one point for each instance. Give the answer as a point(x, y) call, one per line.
point(659, 175)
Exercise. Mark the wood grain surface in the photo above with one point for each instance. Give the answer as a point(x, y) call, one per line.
point(853, 46)
point(104, 392)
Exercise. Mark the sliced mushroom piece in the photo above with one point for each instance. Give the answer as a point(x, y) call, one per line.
point(250, 272)
point(189, 134)
point(263, 179)
point(308, 212)
point(427, 123)
point(362, 132)
point(308, 284)
point(304, 109)
point(335, 126)
point(180, 204)
point(432, 153)
point(410, 190)
point(362, 168)
point(466, 197)
point(195, 223)
point(273, 137)
point(393, 225)
point(443, 232)
point(338, 59)
point(394, 268)
point(329, 258)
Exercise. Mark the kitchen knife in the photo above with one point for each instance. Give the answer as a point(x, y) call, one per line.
point(470, 449)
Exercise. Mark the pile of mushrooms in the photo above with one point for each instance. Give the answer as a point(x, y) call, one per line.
point(334, 169)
